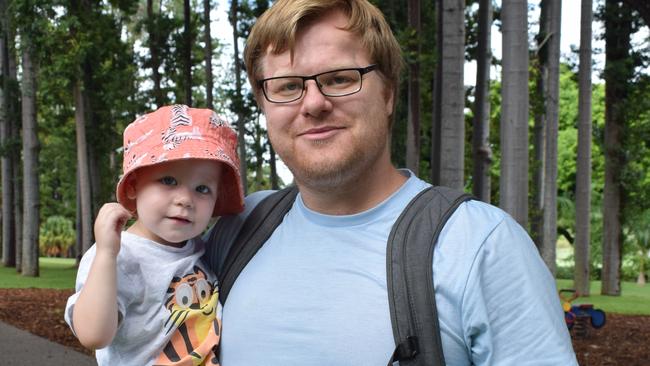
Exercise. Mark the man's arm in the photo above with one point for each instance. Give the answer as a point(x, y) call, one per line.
point(95, 314)
point(511, 307)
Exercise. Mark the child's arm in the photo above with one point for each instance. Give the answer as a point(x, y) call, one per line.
point(95, 312)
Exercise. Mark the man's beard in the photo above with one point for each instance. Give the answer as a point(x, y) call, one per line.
point(334, 174)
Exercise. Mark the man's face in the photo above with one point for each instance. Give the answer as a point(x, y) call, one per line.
point(328, 141)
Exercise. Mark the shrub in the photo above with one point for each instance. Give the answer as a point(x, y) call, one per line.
point(56, 236)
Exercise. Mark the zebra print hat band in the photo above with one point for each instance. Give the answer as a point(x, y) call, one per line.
point(178, 132)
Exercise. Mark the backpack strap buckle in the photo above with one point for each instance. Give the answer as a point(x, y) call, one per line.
point(406, 350)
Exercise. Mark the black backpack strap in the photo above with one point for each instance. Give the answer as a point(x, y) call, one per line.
point(409, 259)
point(256, 229)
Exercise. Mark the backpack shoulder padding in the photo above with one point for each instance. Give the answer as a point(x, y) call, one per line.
point(409, 266)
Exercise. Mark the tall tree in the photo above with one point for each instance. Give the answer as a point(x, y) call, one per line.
point(481, 151)
point(549, 54)
point(513, 184)
point(238, 98)
point(413, 126)
point(84, 192)
point(187, 52)
point(7, 117)
point(154, 43)
point(536, 213)
point(31, 201)
point(452, 104)
point(583, 159)
point(272, 163)
point(208, 54)
point(82, 11)
point(436, 105)
point(619, 70)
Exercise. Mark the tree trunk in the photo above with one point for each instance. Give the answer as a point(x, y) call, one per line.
point(413, 125)
point(274, 171)
point(552, 111)
point(208, 55)
point(6, 138)
point(30, 157)
point(618, 71)
point(436, 105)
point(187, 52)
point(536, 213)
point(513, 183)
point(154, 43)
point(84, 191)
point(551, 115)
point(452, 132)
point(18, 213)
point(583, 169)
point(14, 108)
point(481, 124)
point(79, 247)
point(640, 279)
point(241, 123)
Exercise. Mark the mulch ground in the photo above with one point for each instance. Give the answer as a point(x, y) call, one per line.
point(624, 340)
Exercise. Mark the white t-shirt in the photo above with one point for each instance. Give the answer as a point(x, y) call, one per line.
point(316, 293)
point(164, 295)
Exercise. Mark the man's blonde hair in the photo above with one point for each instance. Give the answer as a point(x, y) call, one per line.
point(278, 28)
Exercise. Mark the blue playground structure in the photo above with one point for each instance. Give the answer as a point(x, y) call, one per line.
point(578, 316)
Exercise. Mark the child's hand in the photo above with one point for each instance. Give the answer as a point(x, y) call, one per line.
point(108, 227)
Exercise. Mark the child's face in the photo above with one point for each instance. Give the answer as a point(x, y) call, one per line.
point(174, 200)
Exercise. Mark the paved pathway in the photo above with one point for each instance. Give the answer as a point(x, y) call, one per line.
point(20, 348)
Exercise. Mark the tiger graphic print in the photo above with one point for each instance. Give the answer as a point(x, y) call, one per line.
point(193, 304)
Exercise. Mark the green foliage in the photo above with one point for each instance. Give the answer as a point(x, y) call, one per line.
point(57, 273)
point(56, 236)
point(637, 237)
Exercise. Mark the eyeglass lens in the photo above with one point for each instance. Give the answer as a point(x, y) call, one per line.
point(334, 83)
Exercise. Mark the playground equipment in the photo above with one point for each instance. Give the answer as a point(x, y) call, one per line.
point(578, 316)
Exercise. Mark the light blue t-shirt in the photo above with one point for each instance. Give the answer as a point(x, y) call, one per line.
point(315, 293)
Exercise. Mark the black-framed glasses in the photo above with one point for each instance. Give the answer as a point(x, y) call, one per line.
point(335, 83)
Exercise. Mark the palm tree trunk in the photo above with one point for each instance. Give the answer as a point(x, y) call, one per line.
point(583, 169)
point(187, 52)
point(30, 158)
point(481, 124)
point(452, 132)
point(436, 103)
point(241, 123)
point(618, 72)
point(274, 170)
point(413, 125)
point(154, 37)
point(208, 55)
point(552, 112)
point(6, 122)
point(513, 184)
point(14, 109)
point(83, 170)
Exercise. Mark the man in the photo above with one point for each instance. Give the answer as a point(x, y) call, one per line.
point(325, 73)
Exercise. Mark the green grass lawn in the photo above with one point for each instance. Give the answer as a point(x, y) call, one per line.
point(635, 299)
point(58, 273)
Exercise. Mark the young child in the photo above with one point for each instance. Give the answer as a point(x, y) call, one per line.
point(143, 296)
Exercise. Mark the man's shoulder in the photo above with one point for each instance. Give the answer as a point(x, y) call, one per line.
point(254, 199)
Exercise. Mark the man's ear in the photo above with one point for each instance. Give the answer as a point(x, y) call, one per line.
point(389, 97)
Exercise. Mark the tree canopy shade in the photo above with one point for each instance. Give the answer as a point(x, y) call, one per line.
point(98, 65)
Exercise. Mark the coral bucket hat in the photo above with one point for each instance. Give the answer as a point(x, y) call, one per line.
point(178, 132)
